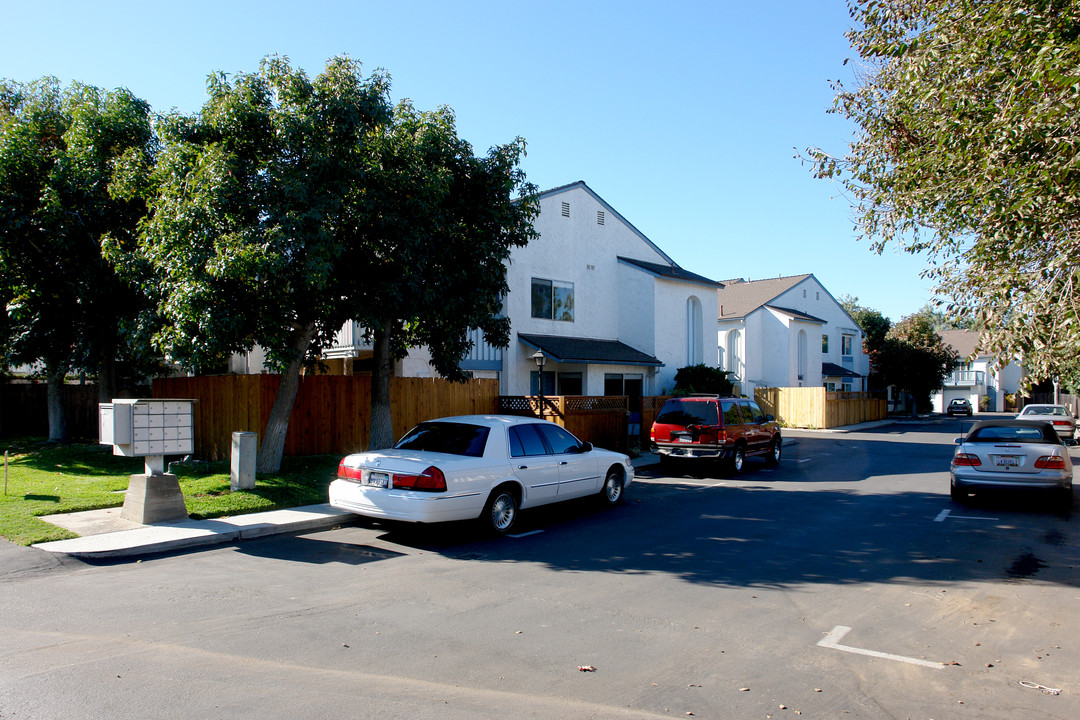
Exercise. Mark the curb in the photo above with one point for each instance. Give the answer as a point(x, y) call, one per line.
point(198, 533)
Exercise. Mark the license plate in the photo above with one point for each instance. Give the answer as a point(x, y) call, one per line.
point(1007, 461)
point(684, 439)
point(377, 479)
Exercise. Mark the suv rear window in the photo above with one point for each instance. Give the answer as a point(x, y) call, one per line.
point(688, 412)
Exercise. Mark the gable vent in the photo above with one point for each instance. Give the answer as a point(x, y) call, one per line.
point(599, 217)
point(566, 209)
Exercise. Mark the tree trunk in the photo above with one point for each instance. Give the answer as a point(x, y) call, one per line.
point(54, 379)
point(106, 379)
point(382, 426)
point(272, 446)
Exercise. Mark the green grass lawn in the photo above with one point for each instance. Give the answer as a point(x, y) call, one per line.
point(44, 479)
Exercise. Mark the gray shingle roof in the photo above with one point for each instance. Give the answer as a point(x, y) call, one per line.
point(586, 350)
point(829, 369)
point(964, 342)
point(739, 298)
point(672, 271)
point(798, 314)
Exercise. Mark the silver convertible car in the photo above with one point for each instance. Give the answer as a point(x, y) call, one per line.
point(1011, 454)
point(484, 467)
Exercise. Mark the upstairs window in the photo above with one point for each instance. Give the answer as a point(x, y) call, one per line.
point(824, 344)
point(846, 343)
point(552, 300)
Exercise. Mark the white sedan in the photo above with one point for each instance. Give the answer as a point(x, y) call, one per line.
point(485, 467)
point(1057, 415)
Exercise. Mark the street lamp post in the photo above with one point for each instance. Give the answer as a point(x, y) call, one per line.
point(539, 358)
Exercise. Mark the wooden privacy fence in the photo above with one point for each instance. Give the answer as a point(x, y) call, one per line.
point(331, 414)
point(601, 420)
point(815, 407)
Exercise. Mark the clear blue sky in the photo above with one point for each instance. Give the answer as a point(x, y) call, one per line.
point(685, 116)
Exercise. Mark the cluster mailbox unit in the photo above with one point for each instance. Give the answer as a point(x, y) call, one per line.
point(143, 428)
point(152, 429)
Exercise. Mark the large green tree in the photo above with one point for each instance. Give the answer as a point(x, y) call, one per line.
point(438, 224)
point(67, 160)
point(251, 218)
point(913, 357)
point(967, 118)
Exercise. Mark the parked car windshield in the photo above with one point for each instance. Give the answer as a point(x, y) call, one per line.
point(688, 412)
point(1009, 433)
point(446, 437)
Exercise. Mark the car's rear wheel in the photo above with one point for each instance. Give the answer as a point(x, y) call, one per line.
point(501, 510)
point(612, 492)
point(775, 451)
point(957, 494)
point(738, 459)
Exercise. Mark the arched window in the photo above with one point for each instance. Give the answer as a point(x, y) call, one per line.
point(734, 354)
point(695, 347)
point(803, 357)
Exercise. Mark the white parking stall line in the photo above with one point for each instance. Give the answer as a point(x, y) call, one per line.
point(526, 534)
point(946, 514)
point(803, 460)
point(837, 634)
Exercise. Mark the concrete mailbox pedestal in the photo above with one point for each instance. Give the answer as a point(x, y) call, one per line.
point(150, 428)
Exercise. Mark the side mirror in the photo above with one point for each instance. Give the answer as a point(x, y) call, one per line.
point(959, 440)
point(586, 447)
point(769, 418)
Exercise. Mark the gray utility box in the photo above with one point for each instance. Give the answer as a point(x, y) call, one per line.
point(142, 427)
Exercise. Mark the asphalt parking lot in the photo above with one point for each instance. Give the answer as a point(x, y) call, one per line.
point(843, 583)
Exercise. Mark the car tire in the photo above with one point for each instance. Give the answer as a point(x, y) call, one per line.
point(501, 510)
point(611, 494)
point(773, 458)
point(957, 494)
point(738, 459)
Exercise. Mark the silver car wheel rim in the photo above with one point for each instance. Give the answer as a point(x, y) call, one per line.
point(738, 459)
point(613, 487)
point(776, 450)
point(502, 512)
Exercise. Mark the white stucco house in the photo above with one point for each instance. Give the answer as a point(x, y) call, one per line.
point(612, 313)
point(975, 375)
point(788, 332)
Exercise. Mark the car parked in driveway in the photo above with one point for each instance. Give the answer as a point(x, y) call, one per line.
point(1011, 454)
point(705, 428)
point(959, 406)
point(483, 467)
point(1057, 415)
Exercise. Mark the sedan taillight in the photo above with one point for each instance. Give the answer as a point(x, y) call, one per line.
point(347, 473)
point(1050, 462)
point(967, 459)
point(431, 480)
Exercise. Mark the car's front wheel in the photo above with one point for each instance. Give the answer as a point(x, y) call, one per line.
point(501, 510)
point(612, 492)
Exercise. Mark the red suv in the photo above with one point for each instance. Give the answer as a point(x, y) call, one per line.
point(710, 427)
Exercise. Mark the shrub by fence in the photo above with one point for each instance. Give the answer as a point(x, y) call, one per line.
point(331, 414)
point(815, 407)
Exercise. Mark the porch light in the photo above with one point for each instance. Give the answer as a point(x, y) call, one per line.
point(539, 358)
